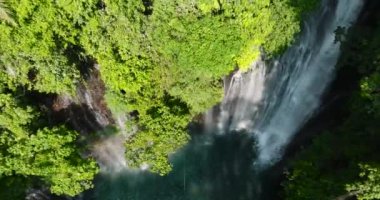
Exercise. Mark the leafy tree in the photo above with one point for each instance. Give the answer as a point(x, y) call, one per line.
point(38, 52)
point(369, 188)
point(164, 61)
point(48, 153)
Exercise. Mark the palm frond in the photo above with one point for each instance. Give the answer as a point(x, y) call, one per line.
point(5, 13)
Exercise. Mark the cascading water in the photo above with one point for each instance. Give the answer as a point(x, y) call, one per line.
point(272, 101)
point(243, 97)
point(268, 104)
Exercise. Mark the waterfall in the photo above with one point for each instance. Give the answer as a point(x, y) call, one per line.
point(243, 96)
point(268, 104)
point(273, 100)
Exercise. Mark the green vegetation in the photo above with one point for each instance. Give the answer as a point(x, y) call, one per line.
point(171, 62)
point(345, 161)
point(163, 60)
point(48, 153)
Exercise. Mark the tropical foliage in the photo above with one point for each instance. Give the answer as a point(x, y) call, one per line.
point(163, 60)
point(47, 153)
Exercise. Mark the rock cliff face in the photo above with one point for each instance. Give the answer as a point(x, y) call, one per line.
point(87, 112)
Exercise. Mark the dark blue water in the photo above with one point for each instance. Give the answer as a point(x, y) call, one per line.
point(210, 167)
point(217, 166)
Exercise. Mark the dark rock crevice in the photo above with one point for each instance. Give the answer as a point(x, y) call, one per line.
point(86, 112)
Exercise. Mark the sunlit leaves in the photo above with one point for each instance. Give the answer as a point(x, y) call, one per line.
point(36, 50)
point(369, 187)
point(48, 153)
point(166, 65)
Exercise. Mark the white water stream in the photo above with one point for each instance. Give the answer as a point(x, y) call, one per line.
point(274, 99)
point(269, 103)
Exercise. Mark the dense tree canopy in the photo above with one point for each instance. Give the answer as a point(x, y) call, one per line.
point(161, 59)
point(48, 153)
